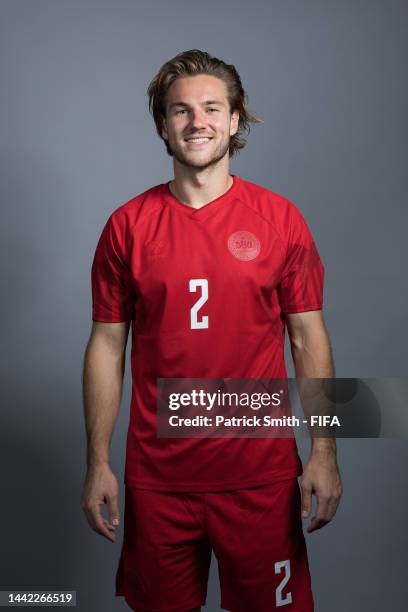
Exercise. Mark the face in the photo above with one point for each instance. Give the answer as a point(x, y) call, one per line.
point(198, 123)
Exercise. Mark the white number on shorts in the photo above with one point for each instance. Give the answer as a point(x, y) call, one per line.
point(193, 286)
point(283, 601)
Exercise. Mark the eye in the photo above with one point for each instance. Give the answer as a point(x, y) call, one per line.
point(213, 110)
point(180, 111)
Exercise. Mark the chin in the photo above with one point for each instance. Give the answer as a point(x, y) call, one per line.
point(195, 160)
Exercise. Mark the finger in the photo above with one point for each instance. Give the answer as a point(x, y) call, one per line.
point(322, 516)
point(306, 500)
point(332, 506)
point(316, 523)
point(111, 528)
point(97, 522)
point(113, 510)
point(102, 529)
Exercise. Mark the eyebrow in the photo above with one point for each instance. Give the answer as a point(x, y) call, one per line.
point(185, 105)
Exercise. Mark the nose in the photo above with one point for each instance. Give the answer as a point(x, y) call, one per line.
point(197, 118)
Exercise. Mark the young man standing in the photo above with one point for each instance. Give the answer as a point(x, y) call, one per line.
point(209, 269)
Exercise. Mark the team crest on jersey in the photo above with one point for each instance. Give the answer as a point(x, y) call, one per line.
point(244, 245)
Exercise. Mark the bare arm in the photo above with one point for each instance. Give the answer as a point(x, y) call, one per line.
point(312, 357)
point(104, 366)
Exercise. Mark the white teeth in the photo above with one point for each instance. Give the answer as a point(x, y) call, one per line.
point(198, 140)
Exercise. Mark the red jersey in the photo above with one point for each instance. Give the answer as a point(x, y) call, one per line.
point(206, 290)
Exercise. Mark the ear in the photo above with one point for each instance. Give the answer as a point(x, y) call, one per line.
point(234, 123)
point(164, 129)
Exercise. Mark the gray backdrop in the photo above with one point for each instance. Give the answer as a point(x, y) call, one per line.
point(329, 80)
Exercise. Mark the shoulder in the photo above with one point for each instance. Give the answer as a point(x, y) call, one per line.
point(125, 220)
point(274, 207)
point(137, 209)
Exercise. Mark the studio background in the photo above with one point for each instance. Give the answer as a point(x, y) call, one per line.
point(329, 81)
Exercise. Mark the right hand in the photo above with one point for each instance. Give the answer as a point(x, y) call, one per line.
point(101, 487)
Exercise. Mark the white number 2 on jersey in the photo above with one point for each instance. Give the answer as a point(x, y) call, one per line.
point(283, 601)
point(194, 284)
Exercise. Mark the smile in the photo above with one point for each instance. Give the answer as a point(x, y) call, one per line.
point(197, 140)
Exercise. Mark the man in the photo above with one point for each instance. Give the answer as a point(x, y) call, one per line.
point(208, 268)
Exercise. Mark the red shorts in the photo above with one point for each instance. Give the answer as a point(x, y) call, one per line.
point(256, 535)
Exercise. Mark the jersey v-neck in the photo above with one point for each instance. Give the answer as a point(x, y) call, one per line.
point(206, 210)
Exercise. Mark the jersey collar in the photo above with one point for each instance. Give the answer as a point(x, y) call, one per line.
point(207, 209)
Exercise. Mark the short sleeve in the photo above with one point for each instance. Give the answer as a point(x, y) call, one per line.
point(301, 284)
point(112, 290)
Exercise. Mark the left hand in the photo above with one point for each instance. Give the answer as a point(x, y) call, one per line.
point(321, 477)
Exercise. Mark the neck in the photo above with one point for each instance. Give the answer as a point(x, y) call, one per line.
point(201, 186)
